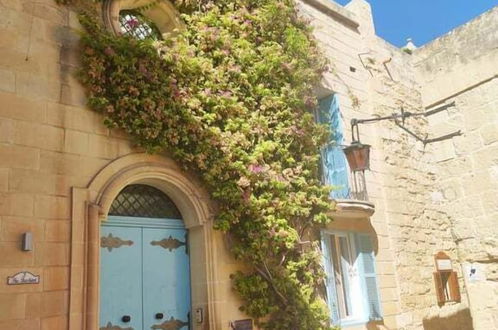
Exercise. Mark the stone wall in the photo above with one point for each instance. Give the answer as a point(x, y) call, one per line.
point(418, 228)
point(341, 41)
point(51, 143)
point(48, 143)
point(461, 68)
point(374, 78)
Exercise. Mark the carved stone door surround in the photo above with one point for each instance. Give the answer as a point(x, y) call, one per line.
point(90, 206)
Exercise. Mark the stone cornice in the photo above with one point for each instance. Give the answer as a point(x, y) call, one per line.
point(335, 11)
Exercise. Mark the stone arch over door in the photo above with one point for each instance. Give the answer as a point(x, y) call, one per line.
point(90, 207)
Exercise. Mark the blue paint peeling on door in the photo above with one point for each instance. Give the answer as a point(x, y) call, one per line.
point(144, 274)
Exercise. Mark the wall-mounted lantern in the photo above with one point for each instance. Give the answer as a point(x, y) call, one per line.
point(358, 154)
point(358, 157)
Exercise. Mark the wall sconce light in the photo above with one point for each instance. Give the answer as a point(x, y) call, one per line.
point(27, 241)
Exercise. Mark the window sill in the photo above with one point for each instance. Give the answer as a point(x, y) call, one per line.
point(352, 323)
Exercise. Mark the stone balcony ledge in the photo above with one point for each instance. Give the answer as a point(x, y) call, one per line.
point(350, 208)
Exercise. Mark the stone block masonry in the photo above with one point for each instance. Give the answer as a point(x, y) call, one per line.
point(460, 68)
point(438, 198)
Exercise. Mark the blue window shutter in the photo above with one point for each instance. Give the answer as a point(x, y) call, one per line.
point(368, 275)
point(330, 279)
point(335, 167)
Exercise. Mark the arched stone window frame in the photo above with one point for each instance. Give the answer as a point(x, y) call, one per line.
point(90, 206)
point(162, 13)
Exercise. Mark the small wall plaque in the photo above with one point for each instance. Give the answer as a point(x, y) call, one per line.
point(23, 278)
point(242, 324)
point(444, 264)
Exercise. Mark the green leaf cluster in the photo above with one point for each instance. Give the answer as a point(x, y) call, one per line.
point(231, 98)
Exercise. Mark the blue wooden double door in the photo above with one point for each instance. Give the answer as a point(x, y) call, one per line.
point(145, 275)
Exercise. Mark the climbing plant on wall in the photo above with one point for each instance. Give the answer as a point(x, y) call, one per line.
point(230, 97)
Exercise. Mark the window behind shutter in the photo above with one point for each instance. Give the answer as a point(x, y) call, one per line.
point(334, 161)
point(369, 277)
point(330, 279)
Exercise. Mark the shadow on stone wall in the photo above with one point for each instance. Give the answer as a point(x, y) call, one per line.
point(462, 320)
point(376, 325)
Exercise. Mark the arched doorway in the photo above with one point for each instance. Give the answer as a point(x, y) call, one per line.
point(144, 263)
point(90, 207)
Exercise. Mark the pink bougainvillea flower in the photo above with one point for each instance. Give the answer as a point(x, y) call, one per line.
point(132, 23)
point(256, 168)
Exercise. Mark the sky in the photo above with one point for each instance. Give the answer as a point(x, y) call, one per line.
point(422, 20)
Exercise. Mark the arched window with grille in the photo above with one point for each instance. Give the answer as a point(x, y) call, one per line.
point(139, 200)
point(135, 24)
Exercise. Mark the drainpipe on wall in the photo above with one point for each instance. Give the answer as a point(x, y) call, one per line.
point(465, 282)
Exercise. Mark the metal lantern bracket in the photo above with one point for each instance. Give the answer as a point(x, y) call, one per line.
point(399, 120)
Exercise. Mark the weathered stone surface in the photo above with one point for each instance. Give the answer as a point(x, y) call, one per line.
point(467, 57)
point(440, 197)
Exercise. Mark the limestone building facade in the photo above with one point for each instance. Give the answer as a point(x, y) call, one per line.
point(61, 170)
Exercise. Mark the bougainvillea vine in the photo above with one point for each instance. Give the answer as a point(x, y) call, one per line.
point(230, 98)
